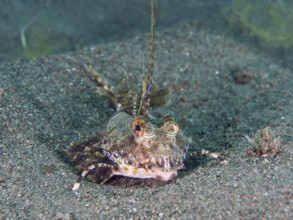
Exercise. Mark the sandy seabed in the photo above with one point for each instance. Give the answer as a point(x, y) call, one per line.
point(221, 92)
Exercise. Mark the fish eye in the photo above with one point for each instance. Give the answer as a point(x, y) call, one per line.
point(142, 129)
point(170, 127)
point(138, 128)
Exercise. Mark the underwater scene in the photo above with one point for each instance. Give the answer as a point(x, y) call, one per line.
point(150, 109)
point(41, 28)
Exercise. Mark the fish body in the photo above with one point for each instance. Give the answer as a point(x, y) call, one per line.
point(132, 147)
point(133, 143)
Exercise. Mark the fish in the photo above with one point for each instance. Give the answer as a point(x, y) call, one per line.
point(134, 144)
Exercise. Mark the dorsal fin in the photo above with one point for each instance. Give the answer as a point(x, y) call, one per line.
point(147, 82)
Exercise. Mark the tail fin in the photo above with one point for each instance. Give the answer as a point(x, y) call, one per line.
point(147, 82)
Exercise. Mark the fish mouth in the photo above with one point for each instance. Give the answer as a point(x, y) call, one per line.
point(142, 173)
point(160, 168)
point(166, 163)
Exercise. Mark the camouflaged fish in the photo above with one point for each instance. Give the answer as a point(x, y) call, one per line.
point(134, 144)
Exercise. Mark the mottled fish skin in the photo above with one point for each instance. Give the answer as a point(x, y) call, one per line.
point(132, 145)
point(141, 150)
point(147, 151)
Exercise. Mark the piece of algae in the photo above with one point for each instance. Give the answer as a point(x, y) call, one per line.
point(268, 21)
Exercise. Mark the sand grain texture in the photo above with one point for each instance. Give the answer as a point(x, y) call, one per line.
point(221, 91)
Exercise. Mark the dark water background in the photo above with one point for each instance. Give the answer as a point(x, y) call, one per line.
point(43, 27)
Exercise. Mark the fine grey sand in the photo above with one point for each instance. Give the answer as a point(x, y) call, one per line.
point(221, 92)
